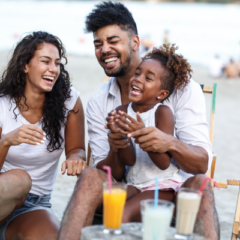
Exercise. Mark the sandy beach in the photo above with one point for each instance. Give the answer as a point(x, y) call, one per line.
point(87, 76)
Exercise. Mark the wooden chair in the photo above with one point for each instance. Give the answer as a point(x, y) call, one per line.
point(236, 224)
point(211, 90)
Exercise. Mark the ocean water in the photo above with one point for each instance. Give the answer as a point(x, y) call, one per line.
point(200, 30)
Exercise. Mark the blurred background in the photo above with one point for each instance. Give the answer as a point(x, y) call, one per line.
point(208, 35)
point(203, 31)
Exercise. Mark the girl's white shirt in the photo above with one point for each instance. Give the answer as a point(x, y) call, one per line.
point(36, 160)
point(142, 174)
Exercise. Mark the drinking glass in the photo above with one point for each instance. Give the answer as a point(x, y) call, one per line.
point(156, 219)
point(113, 205)
point(188, 202)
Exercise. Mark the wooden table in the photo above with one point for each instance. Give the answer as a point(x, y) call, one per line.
point(130, 231)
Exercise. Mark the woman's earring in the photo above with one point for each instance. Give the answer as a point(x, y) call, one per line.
point(159, 98)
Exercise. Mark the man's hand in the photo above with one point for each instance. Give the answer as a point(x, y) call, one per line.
point(151, 139)
point(127, 124)
point(74, 165)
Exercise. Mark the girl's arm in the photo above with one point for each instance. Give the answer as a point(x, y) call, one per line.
point(74, 142)
point(126, 155)
point(116, 158)
point(165, 122)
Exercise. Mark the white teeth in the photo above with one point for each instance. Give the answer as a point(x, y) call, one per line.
point(49, 78)
point(110, 60)
point(137, 88)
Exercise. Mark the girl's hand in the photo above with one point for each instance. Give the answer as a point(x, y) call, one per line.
point(111, 122)
point(74, 165)
point(127, 124)
point(28, 134)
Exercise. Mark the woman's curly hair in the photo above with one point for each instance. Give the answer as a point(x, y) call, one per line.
point(13, 83)
point(178, 70)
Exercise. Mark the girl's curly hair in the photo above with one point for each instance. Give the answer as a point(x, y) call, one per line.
point(177, 70)
point(13, 83)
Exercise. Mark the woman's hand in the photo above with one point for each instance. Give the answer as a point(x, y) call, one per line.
point(127, 124)
point(74, 165)
point(28, 134)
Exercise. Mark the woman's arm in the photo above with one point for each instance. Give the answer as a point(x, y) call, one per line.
point(3, 149)
point(165, 123)
point(75, 142)
point(28, 134)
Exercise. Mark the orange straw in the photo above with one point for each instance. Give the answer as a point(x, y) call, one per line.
point(109, 177)
point(204, 183)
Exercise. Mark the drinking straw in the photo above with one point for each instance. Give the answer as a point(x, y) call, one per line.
point(109, 177)
point(156, 193)
point(204, 183)
point(155, 205)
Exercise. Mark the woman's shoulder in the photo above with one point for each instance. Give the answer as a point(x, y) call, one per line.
point(5, 106)
point(5, 100)
point(70, 102)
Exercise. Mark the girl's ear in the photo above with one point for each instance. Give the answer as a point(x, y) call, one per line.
point(162, 94)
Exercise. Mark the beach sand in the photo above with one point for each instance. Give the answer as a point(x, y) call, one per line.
point(87, 76)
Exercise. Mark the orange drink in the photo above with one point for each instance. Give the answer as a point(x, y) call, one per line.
point(113, 204)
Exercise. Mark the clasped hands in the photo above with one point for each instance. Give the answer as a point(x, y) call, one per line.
point(122, 126)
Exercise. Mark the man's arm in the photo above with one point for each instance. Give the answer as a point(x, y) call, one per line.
point(101, 141)
point(191, 159)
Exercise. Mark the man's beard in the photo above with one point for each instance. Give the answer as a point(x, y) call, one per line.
point(122, 69)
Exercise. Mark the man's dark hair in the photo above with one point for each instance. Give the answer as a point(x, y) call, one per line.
point(109, 13)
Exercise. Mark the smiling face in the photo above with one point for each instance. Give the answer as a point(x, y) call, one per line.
point(113, 50)
point(145, 85)
point(43, 69)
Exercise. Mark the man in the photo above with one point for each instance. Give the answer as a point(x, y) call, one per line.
point(116, 48)
point(231, 70)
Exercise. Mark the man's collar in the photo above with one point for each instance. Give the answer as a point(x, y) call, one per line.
point(114, 87)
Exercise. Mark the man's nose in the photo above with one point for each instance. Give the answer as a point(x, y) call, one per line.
point(106, 48)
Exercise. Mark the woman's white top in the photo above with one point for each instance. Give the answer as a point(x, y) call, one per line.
point(36, 160)
point(142, 174)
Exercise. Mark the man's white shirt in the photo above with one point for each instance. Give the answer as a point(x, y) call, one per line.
point(188, 107)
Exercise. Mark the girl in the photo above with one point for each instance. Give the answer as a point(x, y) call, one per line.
point(160, 72)
point(40, 114)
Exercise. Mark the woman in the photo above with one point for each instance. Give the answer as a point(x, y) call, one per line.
point(40, 115)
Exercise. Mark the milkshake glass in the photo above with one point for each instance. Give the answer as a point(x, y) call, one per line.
point(188, 202)
point(156, 220)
